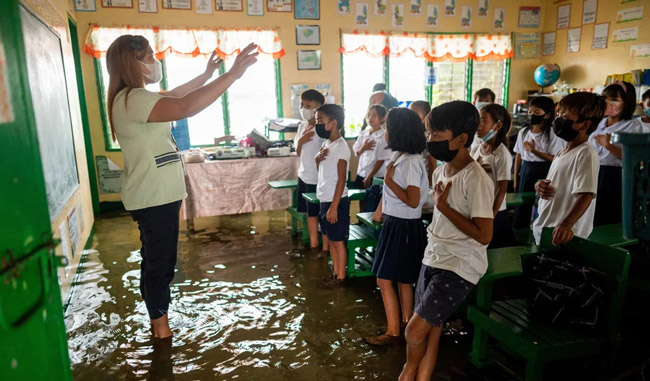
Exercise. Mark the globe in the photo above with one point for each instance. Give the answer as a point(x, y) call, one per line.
point(547, 74)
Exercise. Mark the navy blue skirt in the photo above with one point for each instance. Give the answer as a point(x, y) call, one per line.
point(400, 249)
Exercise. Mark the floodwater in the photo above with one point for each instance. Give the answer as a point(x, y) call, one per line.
point(245, 305)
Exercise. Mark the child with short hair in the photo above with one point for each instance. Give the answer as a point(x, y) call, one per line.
point(535, 147)
point(423, 108)
point(307, 145)
point(483, 97)
point(621, 102)
point(461, 228)
point(645, 103)
point(401, 243)
point(370, 148)
point(494, 156)
point(567, 194)
point(332, 162)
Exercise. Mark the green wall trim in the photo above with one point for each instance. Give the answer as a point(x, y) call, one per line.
point(224, 105)
point(108, 139)
point(88, 245)
point(506, 84)
point(278, 88)
point(341, 68)
point(468, 79)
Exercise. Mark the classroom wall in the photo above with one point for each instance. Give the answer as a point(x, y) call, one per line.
point(521, 74)
point(54, 14)
point(589, 68)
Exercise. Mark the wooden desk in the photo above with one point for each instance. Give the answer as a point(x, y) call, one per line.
point(366, 219)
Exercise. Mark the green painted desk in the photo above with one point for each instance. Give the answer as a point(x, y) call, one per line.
point(296, 216)
point(611, 235)
point(377, 181)
point(353, 194)
point(366, 219)
point(517, 199)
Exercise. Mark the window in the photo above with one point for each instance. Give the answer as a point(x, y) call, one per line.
point(360, 73)
point(489, 74)
point(407, 80)
point(451, 82)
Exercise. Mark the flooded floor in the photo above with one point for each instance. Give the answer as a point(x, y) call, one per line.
point(246, 305)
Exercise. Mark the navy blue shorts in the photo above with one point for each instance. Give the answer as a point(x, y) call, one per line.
point(358, 183)
point(439, 293)
point(303, 205)
point(340, 230)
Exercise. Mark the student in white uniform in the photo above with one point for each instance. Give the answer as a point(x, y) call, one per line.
point(482, 98)
point(493, 155)
point(535, 148)
point(645, 119)
point(569, 192)
point(423, 108)
point(621, 102)
point(461, 228)
point(333, 162)
point(365, 148)
point(307, 145)
point(401, 243)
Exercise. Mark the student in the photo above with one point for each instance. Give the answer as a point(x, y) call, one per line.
point(307, 146)
point(422, 108)
point(621, 102)
point(332, 162)
point(456, 254)
point(494, 156)
point(401, 243)
point(535, 147)
point(645, 119)
point(567, 194)
point(364, 148)
point(483, 97)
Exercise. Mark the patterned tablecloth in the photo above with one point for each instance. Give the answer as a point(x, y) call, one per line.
point(237, 186)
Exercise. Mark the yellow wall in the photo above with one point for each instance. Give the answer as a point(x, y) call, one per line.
point(330, 23)
point(589, 68)
point(55, 15)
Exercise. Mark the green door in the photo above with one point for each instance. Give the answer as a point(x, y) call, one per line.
point(32, 333)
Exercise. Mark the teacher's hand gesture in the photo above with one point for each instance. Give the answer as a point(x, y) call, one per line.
point(213, 64)
point(244, 60)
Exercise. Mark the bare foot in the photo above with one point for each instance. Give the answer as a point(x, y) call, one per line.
point(407, 374)
point(160, 327)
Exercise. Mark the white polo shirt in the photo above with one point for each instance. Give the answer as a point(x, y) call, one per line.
point(550, 144)
point(632, 126)
point(328, 169)
point(307, 171)
point(500, 161)
point(381, 152)
point(367, 158)
point(409, 171)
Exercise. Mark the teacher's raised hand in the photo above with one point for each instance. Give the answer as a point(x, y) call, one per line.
point(244, 60)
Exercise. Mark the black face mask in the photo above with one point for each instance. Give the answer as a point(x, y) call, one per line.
point(322, 132)
point(563, 128)
point(535, 119)
point(440, 151)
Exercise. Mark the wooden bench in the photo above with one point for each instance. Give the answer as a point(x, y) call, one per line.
point(510, 323)
point(517, 199)
point(296, 216)
point(353, 195)
point(361, 251)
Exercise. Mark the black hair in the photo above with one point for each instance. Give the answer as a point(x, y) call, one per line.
point(588, 106)
point(627, 94)
point(548, 106)
point(380, 109)
point(405, 132)
point(422, 105)
point(645, 95)
point(499, 114)
point(379, 87)
point(312, 95)
point(459, 117)
point(484, 93)
point(334, 112)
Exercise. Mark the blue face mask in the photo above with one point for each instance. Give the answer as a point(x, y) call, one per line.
point(646, 111)
point(487, 136)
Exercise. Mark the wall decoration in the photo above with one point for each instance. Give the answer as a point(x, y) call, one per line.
point(203, 7)
point(529, 17)
point(73, 229)
point(432, 14)
point(601, 32)
point(323, 88)
point(548, 48)
point(415, 8)
point(563, 16)
point(177, 4)
point(307, 35)
point(527, 45)
point(85, 5)
point(255, 7)
point(640, 51)
point(361, 14)
point(450, 7)
point(6, 110)
point(110, 175)
point(466, 17)
point(482, 9)
point(398, 15)
point(589, 10)
point(627, 34)
point(148, 6)
point(229, 5)
point(499, 19)
point(295, 89)
point(381, 7)
point(573, 40)
point(278, 5)
point(630, 14)
point(307, 9)
point(343, 7)
point(309, 59)
point(117, 3)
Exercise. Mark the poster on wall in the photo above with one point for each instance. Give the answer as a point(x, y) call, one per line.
point(117, 3)
point(499, 19)
point(397, 15)
point(361, 14)
point(177, 4)
point(110, 175)
point(323, 88)
point(432, 15)
point(148, 6)
point(255, 7)
point(381, 7)
point(307, 10)
point(229, 5)
point(415, 8)
point(573, 40)
point(601, 32)
point(549, 44)
point(278, 5)
point(307, 35)
point(529, 17)
point(640, 51)
point(527, 45)
point(85, 5)
point(450, 7)
point(630, 14)
point(6, 110)
point(73, 229)
point(309, 59)
point(482, 9)
point(563, 16)
point(624, 35)
point(589, 10)
point(466, 17)
point(343, 7)
point(203, 7)
point(295, 89)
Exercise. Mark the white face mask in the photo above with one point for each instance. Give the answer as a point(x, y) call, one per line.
point(480, 105)
point(306, 113)
point(155, 69)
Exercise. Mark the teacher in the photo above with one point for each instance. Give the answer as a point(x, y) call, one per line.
point(153, 183)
